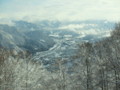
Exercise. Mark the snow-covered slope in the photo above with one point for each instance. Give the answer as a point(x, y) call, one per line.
point(68, 34)
point(53, 38)
point(13, 38)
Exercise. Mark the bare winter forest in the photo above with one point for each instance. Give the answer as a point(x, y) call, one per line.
point(96, 66)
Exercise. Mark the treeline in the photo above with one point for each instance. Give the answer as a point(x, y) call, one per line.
point(20, 72)
point(96, 66)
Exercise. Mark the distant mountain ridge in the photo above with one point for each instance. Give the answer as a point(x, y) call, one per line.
point(41, 36)
point(13, 38)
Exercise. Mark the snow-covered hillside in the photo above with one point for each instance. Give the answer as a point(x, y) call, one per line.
point(52, 39)
point(68, 34)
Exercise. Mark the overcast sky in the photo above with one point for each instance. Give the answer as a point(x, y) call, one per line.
point(60, 9)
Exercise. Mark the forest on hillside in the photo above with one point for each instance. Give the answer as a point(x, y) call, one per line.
point(96, 66)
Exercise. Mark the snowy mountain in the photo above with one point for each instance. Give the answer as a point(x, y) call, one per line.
point(52, 36)
point(68, 34)
point(13, 37)
point(52, 40)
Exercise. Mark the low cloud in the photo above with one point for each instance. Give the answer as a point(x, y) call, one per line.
point(76, 26)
